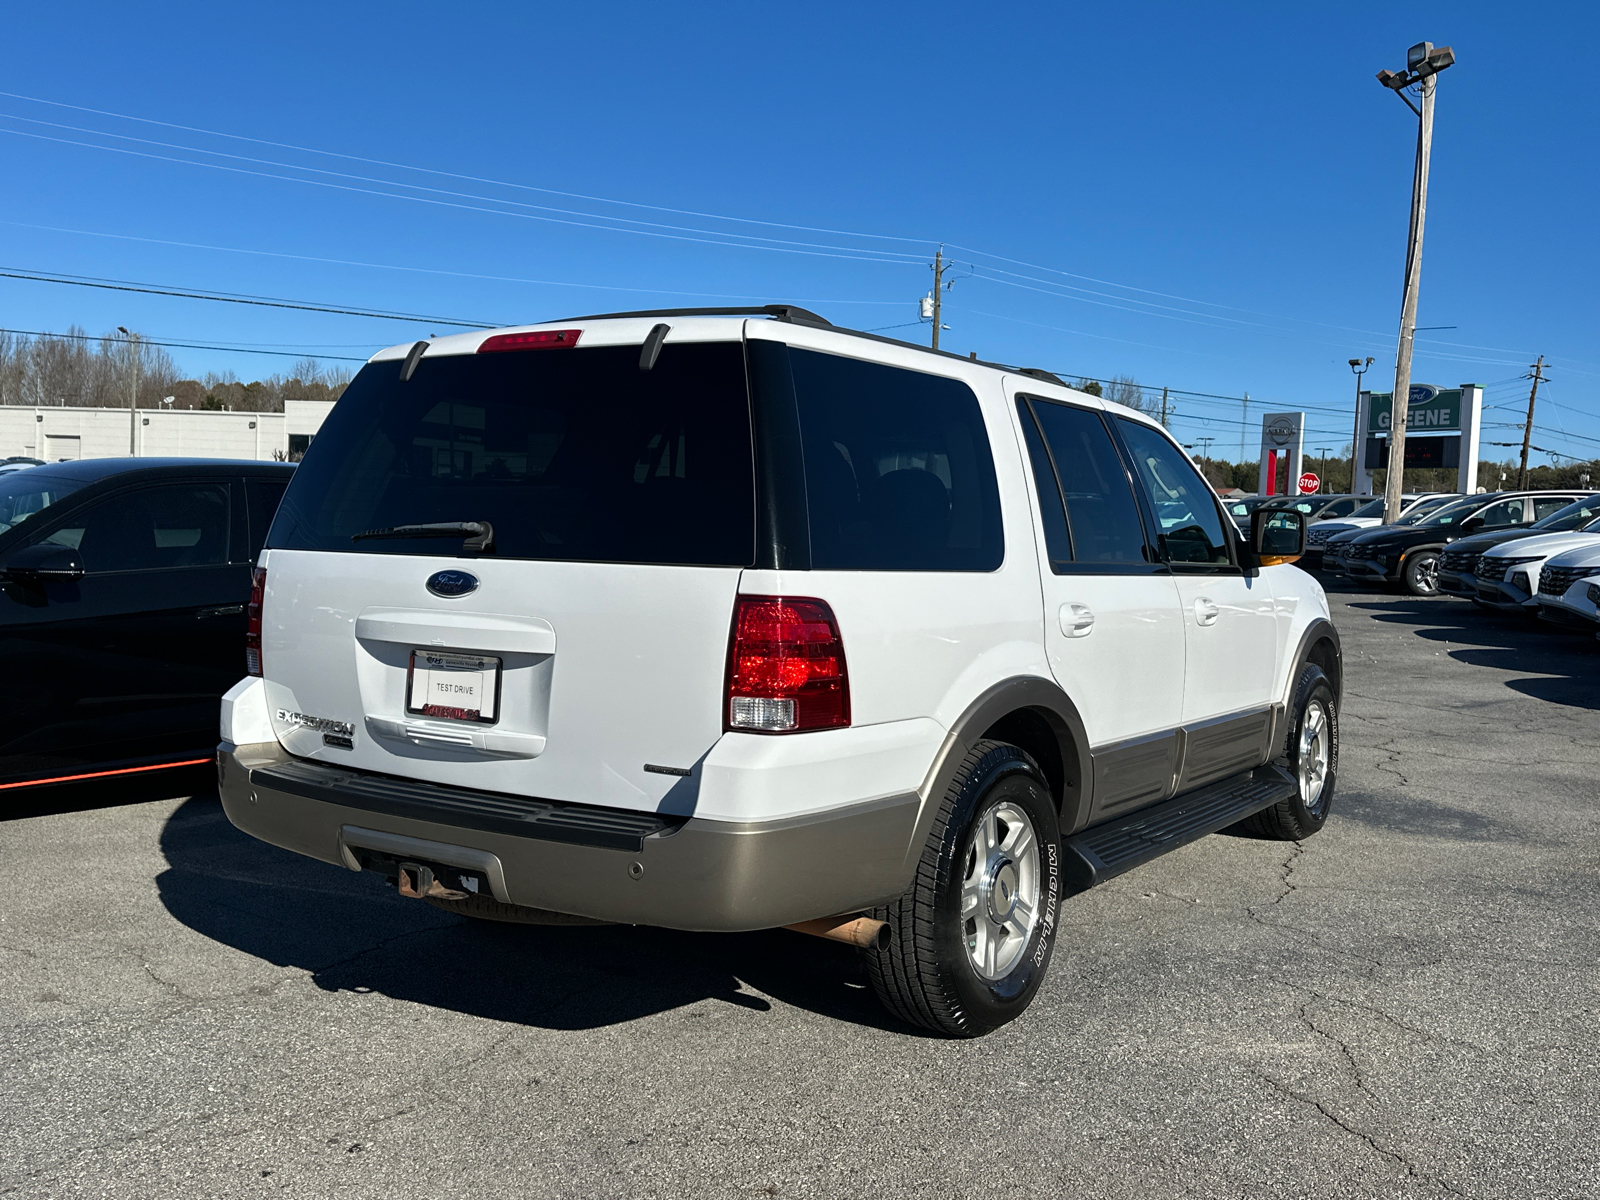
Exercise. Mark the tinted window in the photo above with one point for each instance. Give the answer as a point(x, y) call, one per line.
point(265, 496)
point(24, 494)
point(171, 525)
point(898, 471)
point(1544, 506)
point(1453, 512)
point(1506, 512)
point(1574, 516)
point(575, 455)
point(1339, 508)
point(1056, 539)
point(1101, 510)
point(1184, 503)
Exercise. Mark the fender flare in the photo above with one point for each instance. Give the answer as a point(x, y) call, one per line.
point(1319, 630)
point(1033, 692)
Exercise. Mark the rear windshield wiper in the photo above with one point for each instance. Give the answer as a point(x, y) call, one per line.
point(479, 535)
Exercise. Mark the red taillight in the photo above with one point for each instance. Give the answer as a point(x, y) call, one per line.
point(252, 628)
point(540, 339)
point(786, 667)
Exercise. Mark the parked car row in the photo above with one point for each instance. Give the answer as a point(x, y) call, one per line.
point(1536, 553)
point(1408, 554)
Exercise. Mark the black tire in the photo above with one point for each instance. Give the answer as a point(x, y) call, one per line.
point(926, 975)
point(486, 908)
point(1296, 818)
point(1421, 573)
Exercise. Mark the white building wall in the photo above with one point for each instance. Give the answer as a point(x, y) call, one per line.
point(57, 433)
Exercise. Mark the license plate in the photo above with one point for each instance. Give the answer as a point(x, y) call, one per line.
point(457, 687)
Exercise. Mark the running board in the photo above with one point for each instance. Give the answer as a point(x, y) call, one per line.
point(1104, 851)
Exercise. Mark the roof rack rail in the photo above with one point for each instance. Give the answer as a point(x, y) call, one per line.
point(781, 312)
point(1041, 373)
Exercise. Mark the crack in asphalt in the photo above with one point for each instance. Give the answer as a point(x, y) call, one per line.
point(1389, 767)
point(1412, 1169)
point(1344, 1049)
point(1381, 1014)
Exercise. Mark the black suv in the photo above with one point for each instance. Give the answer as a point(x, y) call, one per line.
point(1409, 554)
point(123, 584)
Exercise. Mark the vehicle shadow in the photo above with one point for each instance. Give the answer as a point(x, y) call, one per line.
point(353, 933)
point(89, 794)
point(1553, 663)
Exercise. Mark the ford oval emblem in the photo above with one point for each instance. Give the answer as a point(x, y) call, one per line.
point(452, 583)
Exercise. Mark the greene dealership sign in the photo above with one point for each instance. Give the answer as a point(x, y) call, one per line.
point(1432, 410)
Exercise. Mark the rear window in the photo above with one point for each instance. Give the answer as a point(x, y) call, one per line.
point(572, 455)
point(898, 471)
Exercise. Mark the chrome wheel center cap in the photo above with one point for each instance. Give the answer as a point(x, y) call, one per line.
point(1002, 888)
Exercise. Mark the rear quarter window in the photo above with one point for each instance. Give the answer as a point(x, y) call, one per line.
point(899, 475)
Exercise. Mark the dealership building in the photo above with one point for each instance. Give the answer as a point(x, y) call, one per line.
point(58, 434)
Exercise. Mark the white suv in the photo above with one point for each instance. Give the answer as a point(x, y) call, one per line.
point(730, 619)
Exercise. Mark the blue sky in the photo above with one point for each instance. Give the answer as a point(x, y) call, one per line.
point(1210, 197)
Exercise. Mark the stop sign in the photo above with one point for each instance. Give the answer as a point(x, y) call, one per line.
point(1309, 482)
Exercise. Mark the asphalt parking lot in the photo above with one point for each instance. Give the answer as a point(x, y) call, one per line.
point(1407, 1004)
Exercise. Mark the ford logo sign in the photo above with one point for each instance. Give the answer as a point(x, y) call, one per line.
point(452, 583)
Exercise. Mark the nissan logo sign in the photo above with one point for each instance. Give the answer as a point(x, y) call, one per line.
point(1281, 432)
point(452, 583)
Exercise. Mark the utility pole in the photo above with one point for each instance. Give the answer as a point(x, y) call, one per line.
point(1423, 62)
point(133, 389)
point(1163, 408)
point(1356, 438)
point(1245, 432)
point(1527, 430)
point(938, 293)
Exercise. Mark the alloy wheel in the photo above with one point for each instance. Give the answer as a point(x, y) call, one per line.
point(999, 890)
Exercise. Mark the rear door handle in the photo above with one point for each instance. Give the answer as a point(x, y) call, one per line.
point(1206, 611)
point(1076, 620)
point(223, 610)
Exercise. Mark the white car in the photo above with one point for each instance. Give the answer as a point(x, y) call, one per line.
point(730, 619)
point(1500, 570)
point(1508, 575)
point(1569, 589)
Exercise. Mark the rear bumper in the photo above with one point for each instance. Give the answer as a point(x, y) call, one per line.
point(696, 874)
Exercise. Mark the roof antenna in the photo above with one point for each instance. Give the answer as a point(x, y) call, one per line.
point(651, 350)
point(413, 357)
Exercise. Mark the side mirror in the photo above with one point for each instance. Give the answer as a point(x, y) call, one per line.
point(1471, 524)
point(1277, 535)
point(43, 562)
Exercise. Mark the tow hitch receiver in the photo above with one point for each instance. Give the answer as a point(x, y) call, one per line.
point(418, 882)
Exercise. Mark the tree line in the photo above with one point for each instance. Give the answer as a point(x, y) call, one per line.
point(74, 369)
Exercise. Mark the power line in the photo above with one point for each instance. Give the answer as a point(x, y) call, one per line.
point(84, 337)
point(894, 258)
point(457, 175)
point(344, 262)
point(150, 289)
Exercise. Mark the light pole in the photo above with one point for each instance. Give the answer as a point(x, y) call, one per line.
point(1355, 438)
point(1423, 62)
point(133, 389)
